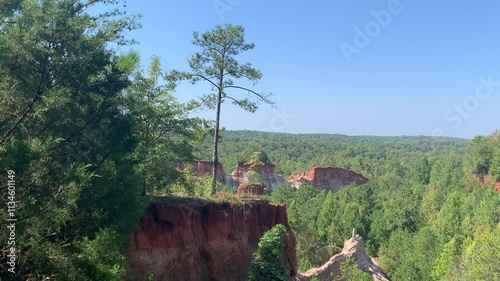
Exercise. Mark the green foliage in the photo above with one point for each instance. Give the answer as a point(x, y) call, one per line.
point(65, 134)
point(253, 178)
point(479, 260)
point(447, 261)
point(101, 257)
point(161, 126)
point(376, 156)
point(217, 65)
point(478, 156)
point(495, 165)
point(303, 207)
point(350, 272)
point(258, 158)
point(268, 260)
point(414, 203)
point(85, 132)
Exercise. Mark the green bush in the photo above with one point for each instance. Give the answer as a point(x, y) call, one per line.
point(267, 262)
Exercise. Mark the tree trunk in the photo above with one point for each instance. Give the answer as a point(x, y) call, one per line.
point(215, 158)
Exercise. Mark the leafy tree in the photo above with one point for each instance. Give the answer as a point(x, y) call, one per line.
point(394, 255)
point(303, 207)
point(480, 259)
point(258, 158)
point(477, 159)
point(447, 260)
point(65, 133)
point(423, 170)
point(268, 260)
point(326, 216)
point(495, 164)
point(253, 178)
point(216, 64)
point(447, 223)
point(165, 133)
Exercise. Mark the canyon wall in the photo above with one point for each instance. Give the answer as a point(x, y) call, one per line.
point(203, 167)
point(270, 180)
point(483, 180)
point(327, 178)
point(323, 178)
point(195, 239)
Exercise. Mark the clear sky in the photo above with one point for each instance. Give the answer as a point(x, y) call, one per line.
point(373, 67)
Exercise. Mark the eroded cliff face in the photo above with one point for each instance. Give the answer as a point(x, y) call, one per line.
point(327, 178)
point(354, 250)
point(483, 180)
point(270, 180)
point(203, 167)
point(204, 240)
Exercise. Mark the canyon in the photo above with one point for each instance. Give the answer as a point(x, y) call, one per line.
point(198, 239)
point(323, 178)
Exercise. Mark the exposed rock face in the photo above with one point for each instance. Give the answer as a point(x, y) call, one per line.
point(327, 178)
point(267, 171)
point(203, 167)
point(353, 249)
point(254, 189)
point(484, 180)
point(203, 240)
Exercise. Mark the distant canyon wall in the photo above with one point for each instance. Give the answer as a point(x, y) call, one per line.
point(327, 178)
point(483, 180)
point(323, 178)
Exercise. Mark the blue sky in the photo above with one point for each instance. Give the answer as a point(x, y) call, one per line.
point(378, 67)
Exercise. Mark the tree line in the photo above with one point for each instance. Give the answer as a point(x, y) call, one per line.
point(90, 134)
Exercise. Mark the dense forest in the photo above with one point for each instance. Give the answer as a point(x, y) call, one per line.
point(292, 153)
point(419, 213)
point(87, 136)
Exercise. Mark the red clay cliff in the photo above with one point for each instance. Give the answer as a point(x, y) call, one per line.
point(270, 180)
point(483, 180)
point(203, 167)
point(327, 178)
point(199, 240)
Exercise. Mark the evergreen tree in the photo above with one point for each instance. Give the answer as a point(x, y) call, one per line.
point(216, 64)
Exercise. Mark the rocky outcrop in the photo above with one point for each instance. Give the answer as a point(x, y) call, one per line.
point(483, 180)
point(203, 167)
point(270, 180)
point(188, 239)
point(249, 189)
point(327, 178)
point(354, 250)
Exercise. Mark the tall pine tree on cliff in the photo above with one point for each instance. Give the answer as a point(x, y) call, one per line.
point(216, 64)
